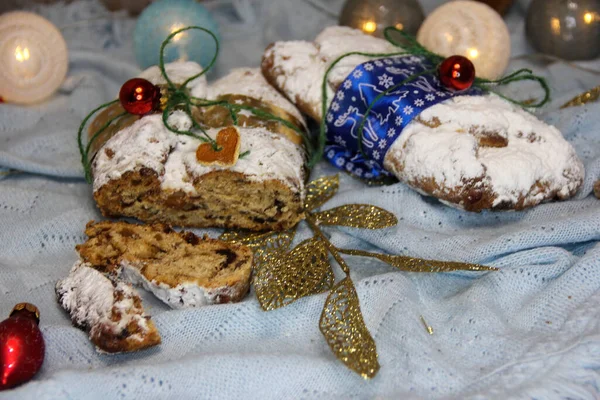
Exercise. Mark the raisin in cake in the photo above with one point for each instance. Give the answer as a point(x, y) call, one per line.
point(471, 152)
point(181, 269)
point(110, 311)
point(143, 170)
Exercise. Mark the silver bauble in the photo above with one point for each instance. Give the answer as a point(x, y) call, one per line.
point(373, 16)
point(569, 29)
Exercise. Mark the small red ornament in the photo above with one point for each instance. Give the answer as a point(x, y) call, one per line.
point(457, 72)
point(21, 346)
point(139, 96)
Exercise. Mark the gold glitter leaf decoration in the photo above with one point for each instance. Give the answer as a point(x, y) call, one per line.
point(282, 277)
point(344, 328)
point(584, 98)
point(267, 247)
point(319, 191)
point(357, 216)
point(260, 239)
point(411, 264)
point(288, 277)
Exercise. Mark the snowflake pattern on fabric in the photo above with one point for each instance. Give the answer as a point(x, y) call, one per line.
point(386, 81)
point(388, 116)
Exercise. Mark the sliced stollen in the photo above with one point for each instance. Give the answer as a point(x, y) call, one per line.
point(181, 269)
point(143, 170)
point(110, 311)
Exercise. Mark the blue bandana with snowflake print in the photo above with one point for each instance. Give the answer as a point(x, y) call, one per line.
point(387, 118)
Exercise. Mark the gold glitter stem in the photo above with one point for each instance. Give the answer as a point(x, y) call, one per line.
point(584, 98)
point(330, 247)
point(11, 172)
point(411, 264)
point(428, 327)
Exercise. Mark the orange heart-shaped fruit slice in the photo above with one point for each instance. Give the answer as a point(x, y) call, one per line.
point(228, 152)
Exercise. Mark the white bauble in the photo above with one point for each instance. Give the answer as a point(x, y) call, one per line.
point(469, 29)
point(33, 58)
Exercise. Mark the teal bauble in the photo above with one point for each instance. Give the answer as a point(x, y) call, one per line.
point(164, 17)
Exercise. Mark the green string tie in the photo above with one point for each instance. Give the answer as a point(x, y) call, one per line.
point(179, 98)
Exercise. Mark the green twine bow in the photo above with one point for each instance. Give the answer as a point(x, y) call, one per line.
point(179, 98)
point(412, 47)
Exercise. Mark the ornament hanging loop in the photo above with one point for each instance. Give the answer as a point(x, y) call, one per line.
point(27, 308)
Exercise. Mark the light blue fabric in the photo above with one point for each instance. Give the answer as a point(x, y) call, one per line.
point(528, 331)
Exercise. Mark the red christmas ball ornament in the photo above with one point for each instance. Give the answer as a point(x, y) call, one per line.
point(139, 96)
point(21, 346)
point(457, 72)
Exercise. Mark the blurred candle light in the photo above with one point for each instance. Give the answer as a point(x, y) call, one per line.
point(473, 53)
point(373, 16)
point(555, 24)
point(175, 28)
point(591, 17)
point(21, 54)
point(369, 27)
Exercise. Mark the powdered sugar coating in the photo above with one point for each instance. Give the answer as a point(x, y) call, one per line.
point(336, 41)
point(178, 72)
point(299, 66)
point(270, 156)
point(89, 297)
point(254, 86)
point(451, 154)
point(298, 72)
point(147, 143)
point(184, 295)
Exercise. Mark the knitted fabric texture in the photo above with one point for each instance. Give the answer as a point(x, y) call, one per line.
point(530, 330)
